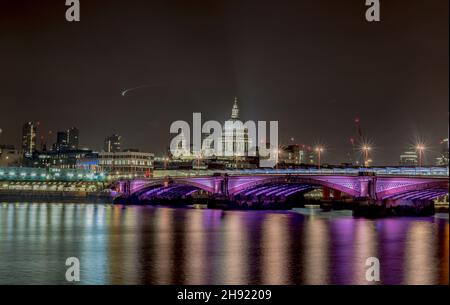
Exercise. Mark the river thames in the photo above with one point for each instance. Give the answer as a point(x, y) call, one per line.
point(162, 245)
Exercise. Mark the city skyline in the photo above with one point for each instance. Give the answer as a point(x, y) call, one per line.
point(361, 150)
point(324, 61)
point(224, 150)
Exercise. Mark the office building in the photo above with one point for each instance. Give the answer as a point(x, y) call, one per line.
point(66, 140)
point(126, 164)
point(29, 132)
point(72, 138)
point(61, 141)
point(68, 158)
point(409, 158)
point(112, 143)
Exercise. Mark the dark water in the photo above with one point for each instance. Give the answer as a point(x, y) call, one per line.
point(156, 245)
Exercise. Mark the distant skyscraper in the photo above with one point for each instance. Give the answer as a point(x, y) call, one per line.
point(72, 138)
point(112, 143)
point(29, 131)
point(61, 141)
point(66, 140)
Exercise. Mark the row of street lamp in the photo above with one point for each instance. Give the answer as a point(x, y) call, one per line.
point(420, 148)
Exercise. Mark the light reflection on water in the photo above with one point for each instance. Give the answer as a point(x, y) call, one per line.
point(160, 245)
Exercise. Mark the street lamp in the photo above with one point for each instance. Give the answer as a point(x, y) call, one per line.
point(366, 150)
point(420, 148)
point(319, 150)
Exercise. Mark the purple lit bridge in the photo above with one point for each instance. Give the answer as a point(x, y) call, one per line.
point(268, 186)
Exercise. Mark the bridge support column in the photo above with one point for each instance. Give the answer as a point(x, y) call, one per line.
point(367, 187)
point(364, 188)
point(325, 193)
point(337, 195)
point(220, 186)
point(126, 188)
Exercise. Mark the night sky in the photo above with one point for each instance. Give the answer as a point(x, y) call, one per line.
point(312, 65)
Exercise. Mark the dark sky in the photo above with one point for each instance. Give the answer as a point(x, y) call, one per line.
point(312, 65)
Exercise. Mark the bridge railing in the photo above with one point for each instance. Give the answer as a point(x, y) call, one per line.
point(380, 171)
point(35, 174)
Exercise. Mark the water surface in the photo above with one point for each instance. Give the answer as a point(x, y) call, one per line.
point(161, 245)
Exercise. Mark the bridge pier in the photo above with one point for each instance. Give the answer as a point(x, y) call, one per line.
point(221, 185)
point(326, 192)
point(337, 195)
point(404, 207)
point(384, 208)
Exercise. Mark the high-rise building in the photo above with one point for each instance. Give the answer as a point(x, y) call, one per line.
point(29, 131)
point(409, 158)
point(112, 143)
point(61, 141)
point(66, 140)
point(72, 138)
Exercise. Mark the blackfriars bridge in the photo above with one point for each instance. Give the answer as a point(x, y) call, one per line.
point(387, 185)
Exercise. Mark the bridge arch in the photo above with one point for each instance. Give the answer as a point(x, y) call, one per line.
point(290, 185)
point(166, 187)
point(424, 189)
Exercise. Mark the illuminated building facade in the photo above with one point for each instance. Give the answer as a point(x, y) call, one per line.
point(126, 164)
point(63, 159)
point(112, 143)
point(29, 131)
point(235, 138)
point(409, 158)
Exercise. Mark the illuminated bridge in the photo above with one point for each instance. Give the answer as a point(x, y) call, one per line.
point(387, 185)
